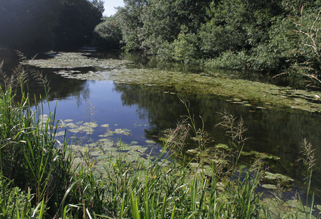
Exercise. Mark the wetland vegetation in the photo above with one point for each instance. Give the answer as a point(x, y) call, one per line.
point(160, 130)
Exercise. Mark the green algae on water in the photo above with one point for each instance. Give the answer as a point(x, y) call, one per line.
point(238, 90)
point(71, 60)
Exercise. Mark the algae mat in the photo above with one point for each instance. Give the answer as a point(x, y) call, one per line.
point(240, 91)
point(71, 60)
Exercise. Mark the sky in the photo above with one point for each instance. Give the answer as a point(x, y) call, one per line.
point(110, 6)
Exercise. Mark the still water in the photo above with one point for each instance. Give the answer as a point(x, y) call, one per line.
point(137, 114)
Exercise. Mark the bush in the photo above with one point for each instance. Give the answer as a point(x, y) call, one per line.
point(107, 35)
point(186, 47)
point(260, 59)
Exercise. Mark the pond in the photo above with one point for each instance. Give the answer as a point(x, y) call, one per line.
point(108, 100)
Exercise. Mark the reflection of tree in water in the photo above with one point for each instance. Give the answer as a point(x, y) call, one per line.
point(161, 110)
point(74, 88)
point(278, 132)
point(60, 88)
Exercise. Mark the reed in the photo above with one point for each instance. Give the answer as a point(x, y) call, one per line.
point(236, 130)
point(309, 161)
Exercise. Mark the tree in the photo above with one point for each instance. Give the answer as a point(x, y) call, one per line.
point(129, 21)
point(36, 25)
point(237, 25)
point(76, 24)
point(99, 4)
point(28, 24)
point(107, 35)
point(297, 37)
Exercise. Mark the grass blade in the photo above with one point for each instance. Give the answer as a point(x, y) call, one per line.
point(134, 206)
point(163, 208)
point(173, 213)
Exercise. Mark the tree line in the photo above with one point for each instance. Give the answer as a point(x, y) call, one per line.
point(266, 36)
point(39, 25)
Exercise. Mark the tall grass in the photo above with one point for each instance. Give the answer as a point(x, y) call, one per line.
point(309, 161)
point(30, 157)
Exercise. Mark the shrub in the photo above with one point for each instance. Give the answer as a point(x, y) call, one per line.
point(107, 35)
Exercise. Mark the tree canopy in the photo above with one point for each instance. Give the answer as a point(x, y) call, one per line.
point(45, 24)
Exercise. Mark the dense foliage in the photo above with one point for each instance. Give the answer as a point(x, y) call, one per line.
point(107, 35)
point(36, 25)
point(266, 36)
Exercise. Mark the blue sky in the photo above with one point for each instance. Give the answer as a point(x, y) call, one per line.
point(109, 6)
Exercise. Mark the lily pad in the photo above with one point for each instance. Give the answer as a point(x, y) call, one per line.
point(275, 176)
point(76, 130)
point(143, 125)
point(269, 186)
point(264, 155)
point(193, 151)
point(222, 146)
point(43, 118)
point(243, 153)
point(62, 133)
point(194, 165)
point(71, 125)
point(90, 124)
point(106, 135)
point(121, 131)
point(135, 148)
point(260, 155)
point(150, 142)
point(95, 153)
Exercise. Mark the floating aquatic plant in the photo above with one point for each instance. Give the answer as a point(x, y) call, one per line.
point(75, 60)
